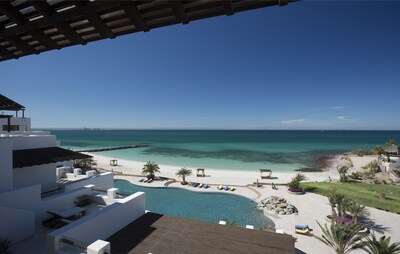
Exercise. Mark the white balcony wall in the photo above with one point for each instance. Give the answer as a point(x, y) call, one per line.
point(6, 174)
point(25, 198)
point(62, 201)
point(29, 199)
point(23, 123)
point(16, 224)
point(101, 224)
point(41, 174)
point(30, 142)
point(102, 181)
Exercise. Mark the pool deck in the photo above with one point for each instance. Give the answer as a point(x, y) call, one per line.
point(312, 208)
point(156, 233)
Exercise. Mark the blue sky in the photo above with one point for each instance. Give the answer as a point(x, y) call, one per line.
point(308, 65)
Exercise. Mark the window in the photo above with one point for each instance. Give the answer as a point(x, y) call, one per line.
point(12, 127)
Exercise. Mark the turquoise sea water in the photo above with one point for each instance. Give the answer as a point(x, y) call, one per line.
point(226, 149)
point(209, 207)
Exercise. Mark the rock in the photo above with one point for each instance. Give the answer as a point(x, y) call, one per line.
point(282, 205)
point(290, 206)
point(281, 213)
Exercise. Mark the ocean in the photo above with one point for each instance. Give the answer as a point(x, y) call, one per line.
point(281, 150)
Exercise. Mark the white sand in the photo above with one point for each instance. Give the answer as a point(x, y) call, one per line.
point(213, 176)
point(312, 207)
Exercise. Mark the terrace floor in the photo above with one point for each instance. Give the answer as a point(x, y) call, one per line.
point(157, 233)
point(37, 243)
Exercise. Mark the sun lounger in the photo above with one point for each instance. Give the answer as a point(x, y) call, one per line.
point(220, 187)
point(301, 226)
point(206, 186)
point(141, 180)
point(150, 180)
point(200, 185)
point(232, 188)
point(303, 231)
point(146, 180)
point(226, 187)
point(68, 213)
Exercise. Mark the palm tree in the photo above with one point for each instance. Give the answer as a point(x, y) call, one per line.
point(342, 172)
point(341, 237)
point(149, 169)
point(340, 200)
point(85, 163)
point(184, 172)
point(332, 203)
point(381, 246)
point(357, 210)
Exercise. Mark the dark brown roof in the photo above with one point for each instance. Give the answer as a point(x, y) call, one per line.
point(32, 27)
point(156, 233)
point(39, 156)
point(8, 104)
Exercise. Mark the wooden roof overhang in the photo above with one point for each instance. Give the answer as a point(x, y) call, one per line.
point(39, 156)
point(8, 104)
point(157, 233)
point(31, 27)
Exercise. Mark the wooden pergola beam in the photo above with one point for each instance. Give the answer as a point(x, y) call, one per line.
point(228, 7)
point(45, 9)
point(95, 20)
point(13, 14)
point(134, 15)
point(22, 45)
point(179, 11)
point(5, 53)
point(72, 22)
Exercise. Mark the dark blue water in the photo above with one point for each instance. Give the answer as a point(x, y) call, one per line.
point(209, 207)
point(246, 150)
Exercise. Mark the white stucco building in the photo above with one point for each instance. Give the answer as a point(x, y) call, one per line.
point(31, 193)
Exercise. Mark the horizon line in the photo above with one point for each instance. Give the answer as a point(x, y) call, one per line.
point(206, 129)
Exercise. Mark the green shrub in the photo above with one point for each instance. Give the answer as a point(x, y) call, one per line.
point(83, 200)
point(5, 243)
point(356, 176)
point(372, 166)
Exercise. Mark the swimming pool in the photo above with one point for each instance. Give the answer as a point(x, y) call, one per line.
point(210, 207)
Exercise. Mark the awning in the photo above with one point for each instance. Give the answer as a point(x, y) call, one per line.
point(39, 156)
point(8, 104)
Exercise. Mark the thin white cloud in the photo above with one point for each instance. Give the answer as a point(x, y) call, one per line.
point(343, 118)
point(336, 107)
point(293, 121)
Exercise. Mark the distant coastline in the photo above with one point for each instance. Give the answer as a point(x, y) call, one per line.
point(279, 150)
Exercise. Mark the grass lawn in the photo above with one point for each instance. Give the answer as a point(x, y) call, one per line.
point(366, 194)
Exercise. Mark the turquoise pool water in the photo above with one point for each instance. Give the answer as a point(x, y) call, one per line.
point(209, 207)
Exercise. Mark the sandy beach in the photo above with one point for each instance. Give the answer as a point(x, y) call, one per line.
point(312, 207)
point(213, 176)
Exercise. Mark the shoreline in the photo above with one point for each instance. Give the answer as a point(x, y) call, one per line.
point(217, 176)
